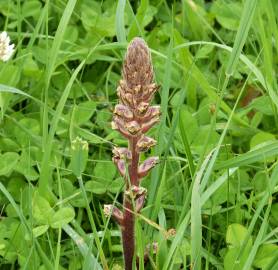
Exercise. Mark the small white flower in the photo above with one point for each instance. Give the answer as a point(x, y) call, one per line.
point(6, 50)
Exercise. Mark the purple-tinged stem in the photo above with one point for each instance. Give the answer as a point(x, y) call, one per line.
point(128, 233)
point(128, 218)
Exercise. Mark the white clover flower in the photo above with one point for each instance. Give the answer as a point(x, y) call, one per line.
point(6, 50)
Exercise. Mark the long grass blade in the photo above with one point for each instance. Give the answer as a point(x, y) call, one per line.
point(120, 21)
point(244, 26)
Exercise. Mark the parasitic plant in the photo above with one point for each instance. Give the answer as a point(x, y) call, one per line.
point(133, 117)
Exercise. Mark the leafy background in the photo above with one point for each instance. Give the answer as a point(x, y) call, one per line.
point(212, 201)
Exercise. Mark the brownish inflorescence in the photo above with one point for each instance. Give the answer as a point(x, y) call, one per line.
point(133, 117)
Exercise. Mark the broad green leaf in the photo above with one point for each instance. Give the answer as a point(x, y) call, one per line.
point(16, 186)
point(38, 231)
point(259, 104)
point(61, 217)
point(96, 187)
point(227, 13)
point(260, 138)
point(9, 75)
point(95, 21)
point(104, 171)
point(205, 51)
point(116, 185)
point(260, 181)
point(265, 255)
point(11, 212)
point(26, 131)
point(189, 121)
point(31, 8)
point(235, 238)
point(8, 162)
point(25, 166)
point(83, 112)
point(8, 145)
point(235, 235)
point(31, 68)
point(41, 209)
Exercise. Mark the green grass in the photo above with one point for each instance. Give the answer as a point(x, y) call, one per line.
point(216, 185)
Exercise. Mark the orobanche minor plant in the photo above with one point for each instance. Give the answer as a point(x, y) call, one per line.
point(133, 117)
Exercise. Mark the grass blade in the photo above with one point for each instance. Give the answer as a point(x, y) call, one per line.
point(45, 176)
point(196, 226)
point(120, 21)
point(245, 23)
point(82, 246)
point(258, 155)
point(161, 129)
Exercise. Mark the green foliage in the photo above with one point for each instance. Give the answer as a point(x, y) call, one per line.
point(215, 186)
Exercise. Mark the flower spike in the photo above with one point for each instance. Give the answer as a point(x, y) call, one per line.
point(133, 117)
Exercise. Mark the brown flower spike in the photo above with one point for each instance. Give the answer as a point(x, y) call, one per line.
point(133, 117)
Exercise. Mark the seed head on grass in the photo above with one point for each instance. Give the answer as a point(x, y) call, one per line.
point(133, 117)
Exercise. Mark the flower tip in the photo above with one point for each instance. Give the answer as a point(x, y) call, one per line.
point(136, 41)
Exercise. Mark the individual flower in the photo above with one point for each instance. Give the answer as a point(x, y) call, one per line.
point(6, 49)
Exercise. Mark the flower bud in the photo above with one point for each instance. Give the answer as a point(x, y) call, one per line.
point(145, 143)
point(107, 209)
point(154, 111)
point(127, 99)
point(123, 111)
point(118, 124)
point(121, 153)
point(79, 159)
point(147, 165)
point(135, 192)
point(110, 210)
point(124, 86)
point(121, 166)
point(146, 126)
point(138, 89)
point(153, 247)
point(152, 88)
point(140, 203)
point(170, 233)
point(149, 91)
point(114, 125)
point(142, 107)
point(133, 127)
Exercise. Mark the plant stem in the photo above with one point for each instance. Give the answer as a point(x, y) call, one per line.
point(128, 233)
point(133, 168)
point(128, 217)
